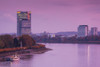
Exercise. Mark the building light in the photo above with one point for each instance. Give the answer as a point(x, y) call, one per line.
point(18, 12)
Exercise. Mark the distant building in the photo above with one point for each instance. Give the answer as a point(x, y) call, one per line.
point(94, 31)
point(23, 23)
point(83, 30)
point(67, 34)
point(52, 35)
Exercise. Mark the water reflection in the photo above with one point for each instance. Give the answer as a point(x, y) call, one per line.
point(5, 64)
point(16, 63)
point(83, 55)
point(26, 57)
point(62, 55)
point(88, 55)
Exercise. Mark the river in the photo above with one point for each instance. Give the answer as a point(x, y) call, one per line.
point(61, 55)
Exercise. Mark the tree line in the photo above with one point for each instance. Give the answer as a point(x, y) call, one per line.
point(8, 41)
point(61, 39)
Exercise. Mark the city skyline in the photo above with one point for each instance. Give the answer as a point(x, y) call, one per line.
point(50, 15)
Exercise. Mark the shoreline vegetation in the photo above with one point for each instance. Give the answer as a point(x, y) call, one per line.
point(10, 45)
point(81, 42)
point(40, 46)
point(65, 39)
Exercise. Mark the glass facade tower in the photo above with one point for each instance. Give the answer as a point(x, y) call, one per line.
point(83, 30)
point(23, 23)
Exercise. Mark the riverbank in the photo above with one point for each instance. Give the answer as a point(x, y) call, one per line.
point(37, 49)
point(22, 52)
point(76, 42)
point(37, 46)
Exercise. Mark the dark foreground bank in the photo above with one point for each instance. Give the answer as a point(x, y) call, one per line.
point(22, 52)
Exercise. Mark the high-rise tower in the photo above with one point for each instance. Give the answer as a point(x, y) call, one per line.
point(23, 23)
point(94, 31)
point(83, 30)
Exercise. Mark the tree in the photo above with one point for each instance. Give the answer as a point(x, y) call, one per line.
point(16, 42)
point(2, 44)
point(27, 40)
point(7, 40)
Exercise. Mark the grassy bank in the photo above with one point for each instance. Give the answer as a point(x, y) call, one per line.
point(38, 49)
point(38, 46)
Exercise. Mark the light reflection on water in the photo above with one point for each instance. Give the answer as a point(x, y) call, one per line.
point(62, 55)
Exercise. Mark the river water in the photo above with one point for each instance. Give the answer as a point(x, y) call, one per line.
point(61, 55)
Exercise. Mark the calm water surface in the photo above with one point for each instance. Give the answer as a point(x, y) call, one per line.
point(62, 55)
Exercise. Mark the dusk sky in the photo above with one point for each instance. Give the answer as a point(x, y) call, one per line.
point(50, 15)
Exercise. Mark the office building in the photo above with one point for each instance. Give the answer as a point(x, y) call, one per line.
point(23, 22)
point(82, 30)
point(94, 31)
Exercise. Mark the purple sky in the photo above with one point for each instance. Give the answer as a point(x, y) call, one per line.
point(50, 15)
